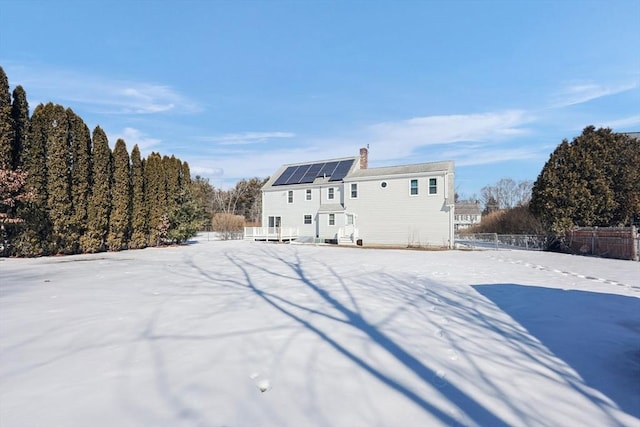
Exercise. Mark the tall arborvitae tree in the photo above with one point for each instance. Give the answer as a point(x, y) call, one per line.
point(34, 234)
point(7, 127)
point(156, 195)
point(592, 181)
point(139, 227)
point(171, 167)
point(58, 179)
point(99, 207)
point(120, 218)
point(20, 115)
point(186, 218)
point(80, 145)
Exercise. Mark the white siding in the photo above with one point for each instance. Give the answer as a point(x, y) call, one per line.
point(392, 216)
point(274, 203)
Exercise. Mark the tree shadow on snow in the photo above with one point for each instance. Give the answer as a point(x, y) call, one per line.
point(353, 317)
point(596, 334)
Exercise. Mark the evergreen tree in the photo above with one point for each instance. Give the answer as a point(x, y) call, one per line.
point(120, 219)
point(171, 167)
point(20, 115)
point(186, 218)
point(34, 235)
point(58, 164)
point(7, 126)
point(592, 181)
point(80, 145)
point(140, 229)
point(156, 196)
point(99, 207)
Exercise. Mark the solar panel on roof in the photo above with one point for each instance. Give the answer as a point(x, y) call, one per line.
point(298, 174)
point(312, 173)
point(341, 170)
point(282, 179)
point(327, 169)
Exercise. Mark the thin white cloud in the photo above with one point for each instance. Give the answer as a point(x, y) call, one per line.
point(99, 94)
point(491, 155)
point(585, 92)
point(627, 122)
point(401, 138)
point(245, 138)
point(135, 137)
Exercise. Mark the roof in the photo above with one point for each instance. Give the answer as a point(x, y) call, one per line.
point(332, 170)
point(468, 208)
point(401, 170)
point(333, 207)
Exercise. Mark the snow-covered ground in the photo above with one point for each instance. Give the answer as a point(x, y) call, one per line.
point(253, 334)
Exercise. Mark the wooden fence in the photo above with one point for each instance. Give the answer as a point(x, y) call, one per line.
point(606, 242)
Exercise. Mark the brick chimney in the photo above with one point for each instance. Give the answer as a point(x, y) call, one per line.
point(364, 158)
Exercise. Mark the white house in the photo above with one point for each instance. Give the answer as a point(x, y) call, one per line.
point(343, 201)
point(467, 214)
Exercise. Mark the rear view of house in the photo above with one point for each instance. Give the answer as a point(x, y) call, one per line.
point(343, 201)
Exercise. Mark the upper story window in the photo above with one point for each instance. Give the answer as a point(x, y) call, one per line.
point(308, 194)
point(413, 189)
point(290, 196)
point(433, 186)
point(354, 190)
point(330, 193)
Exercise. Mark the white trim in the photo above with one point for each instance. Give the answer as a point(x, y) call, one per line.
point(429, 193)
point(411, 181)
point(351, 190)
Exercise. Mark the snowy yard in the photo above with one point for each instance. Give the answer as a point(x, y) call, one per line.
point(252, 334)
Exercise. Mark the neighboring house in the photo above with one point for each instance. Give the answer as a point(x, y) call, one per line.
point(342, 201)
point(467, 214)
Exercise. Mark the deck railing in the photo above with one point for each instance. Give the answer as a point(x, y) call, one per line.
point(271, 233)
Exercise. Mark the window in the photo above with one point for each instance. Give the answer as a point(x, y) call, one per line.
point(349, 219)
point(414, 187)
point(332, 219)
point(274, 221)
point(308, 194)
point(330, 193)
point(307, 219)
point(290, 196)
point(433, 186)
point(354, 190)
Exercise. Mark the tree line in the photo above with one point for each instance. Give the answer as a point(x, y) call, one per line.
point(63, 190)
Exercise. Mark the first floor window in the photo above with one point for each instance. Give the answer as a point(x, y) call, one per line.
point(349, 219)
point(433, 186)
point(307, 219)
point(290, 196)
point(414, 187)
point(332, 219)
point(354, 190)
point(330, 193)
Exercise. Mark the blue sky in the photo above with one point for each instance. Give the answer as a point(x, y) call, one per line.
point(239, 88)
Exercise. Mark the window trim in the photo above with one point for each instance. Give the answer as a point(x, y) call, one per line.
point(331, 193)
point(309, 217)
point(435, 186)
point(412, 188)
point(307, 194)
point(331, 219)
point(352, 186)
point(290, 197)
